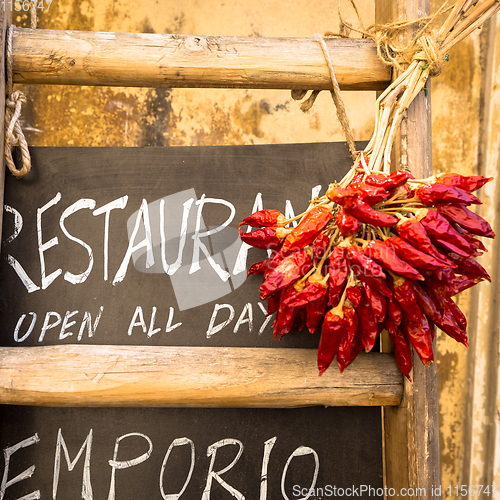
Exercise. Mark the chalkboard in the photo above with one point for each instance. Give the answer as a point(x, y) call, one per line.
point(337, 443)
point(91, 255)
point(83, 282)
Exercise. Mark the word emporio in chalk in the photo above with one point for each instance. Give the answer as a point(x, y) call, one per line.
point(235, 447)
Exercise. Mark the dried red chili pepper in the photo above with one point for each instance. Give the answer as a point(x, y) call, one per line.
point(354, 294)
point(276, 257)
point(468, 266)
point(347, 224)
point(466, 218)
point(273, 303)
point(367, 270)
point(426, 303)
point(370, 330)
point(443, 233)
point(314, 290)
point(430, 194)
point(369, 194)
point(355, 193)
point(404, 294)
point(414, 233)
point(387, 258)
point(420, 337)
point(365, 213)
point(457, 313)
point(258, 267)
point(448, 324)
point(475, 244)
point(402, 349)
point(448, 277)
point(289, 270)
point(377, 301)
point(465, 282)
point(338, 271)
point(389, 182)
point(362, 263)
point(315, 312)
point(264, 238)
point(394, 312)
point(308, 228)
point(414, 257)
point(286, 318)
point(265, 218)
point(346, 344)
point(465, 182)
point(320, 246)
point(340, 195)
point(437, 289)
point(332, 332)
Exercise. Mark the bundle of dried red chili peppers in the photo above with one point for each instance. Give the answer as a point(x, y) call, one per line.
point(381, 250)
point(378, 251)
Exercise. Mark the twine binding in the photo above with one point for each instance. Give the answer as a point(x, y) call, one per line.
point(425, 46)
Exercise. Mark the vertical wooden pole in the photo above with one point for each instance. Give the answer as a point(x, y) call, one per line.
point(411, 431)
point(5, 18)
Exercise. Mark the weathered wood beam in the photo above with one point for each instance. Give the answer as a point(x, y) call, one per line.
point(84, 375)
point(154, 60)
point(411, 430)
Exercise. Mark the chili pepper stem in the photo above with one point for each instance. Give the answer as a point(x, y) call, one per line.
point(381, 233)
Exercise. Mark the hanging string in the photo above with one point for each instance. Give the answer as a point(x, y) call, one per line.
point(14, 135)
point(425, 46)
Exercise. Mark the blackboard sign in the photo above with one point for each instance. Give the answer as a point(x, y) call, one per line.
point(140, 246)
point(215, 453)
point(132, 246)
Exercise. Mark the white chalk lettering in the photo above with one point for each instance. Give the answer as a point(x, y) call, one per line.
point(212, 330)
point(170, 269)
point(267, 320)
point(125, 464)
point(67, 324)
point(177, 442)
point(47, 326)
point(79, 205)
point(106, 209)
point(268, 446)
point(147, 242)
point(299, 452)
point(241, 260)
point(242, 320)
point(137, 314)
point(152, 330)
point(13, 262)
point(87, 446)
point(212, 452)
point(315, 191)
point(43, 247)
point(28, 331)
point(169, 326)
point(7, 453)
point(290, 214)
point(87, 322)
point(198, 245)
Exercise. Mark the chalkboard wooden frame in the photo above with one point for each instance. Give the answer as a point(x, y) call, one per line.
point(411, 443)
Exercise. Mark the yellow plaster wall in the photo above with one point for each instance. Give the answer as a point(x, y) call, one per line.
point(184, 117)
point(65, 116)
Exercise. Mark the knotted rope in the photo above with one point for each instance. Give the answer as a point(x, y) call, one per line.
point(392, 50)
point(14, 135)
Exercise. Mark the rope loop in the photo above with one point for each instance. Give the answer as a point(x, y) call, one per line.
point(14, 135)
